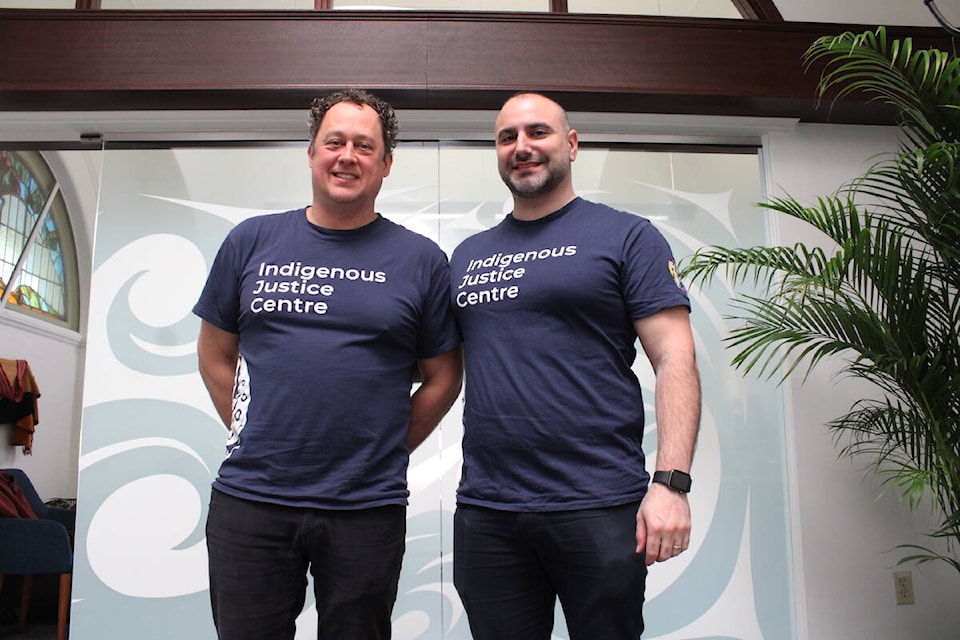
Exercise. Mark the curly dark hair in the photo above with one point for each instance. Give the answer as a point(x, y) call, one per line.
point(388, 119)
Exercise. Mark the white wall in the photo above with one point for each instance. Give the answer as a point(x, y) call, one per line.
point(845, 533)
point(56, 355)
point(56, 361)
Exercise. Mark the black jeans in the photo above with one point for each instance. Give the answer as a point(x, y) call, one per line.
point(259, 554)
point(509, 568)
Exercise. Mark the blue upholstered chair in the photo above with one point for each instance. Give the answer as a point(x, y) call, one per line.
point(29, 547)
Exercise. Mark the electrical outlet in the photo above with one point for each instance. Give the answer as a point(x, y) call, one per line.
point(903, 584)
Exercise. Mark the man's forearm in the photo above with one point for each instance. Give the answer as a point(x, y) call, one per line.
point(219, 381)
point(678, 413)
point(217, 355)
point(442, 377)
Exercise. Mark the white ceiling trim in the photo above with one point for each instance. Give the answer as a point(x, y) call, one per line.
point(73, 127)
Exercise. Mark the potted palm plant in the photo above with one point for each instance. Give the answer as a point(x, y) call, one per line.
point(886, 298)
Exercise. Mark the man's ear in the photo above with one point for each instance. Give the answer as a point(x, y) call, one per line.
point(387, 163)
point(573, 139)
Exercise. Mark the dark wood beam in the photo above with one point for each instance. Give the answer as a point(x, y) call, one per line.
point(558, 6)
point(758, 10)
point(88, 4)
point(132, 60)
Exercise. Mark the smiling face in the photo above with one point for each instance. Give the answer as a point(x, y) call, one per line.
point(348, 161)
point(535, 147)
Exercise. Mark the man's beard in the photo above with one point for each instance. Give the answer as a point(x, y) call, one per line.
point(529, 187)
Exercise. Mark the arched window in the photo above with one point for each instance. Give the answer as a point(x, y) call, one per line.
point(38, 263)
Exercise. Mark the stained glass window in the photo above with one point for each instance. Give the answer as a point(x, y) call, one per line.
point(37, 258)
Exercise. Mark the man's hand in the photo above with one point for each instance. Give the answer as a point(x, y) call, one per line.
point(663, 524)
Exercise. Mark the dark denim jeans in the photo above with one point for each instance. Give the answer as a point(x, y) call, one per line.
point(510, 568)
point(259, 555)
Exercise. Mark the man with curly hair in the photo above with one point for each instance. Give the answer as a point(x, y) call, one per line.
point(313, 323)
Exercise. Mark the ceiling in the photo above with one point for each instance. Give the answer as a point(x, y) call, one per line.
point(870, 12)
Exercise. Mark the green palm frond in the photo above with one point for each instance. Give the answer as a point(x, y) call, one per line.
point(884, 297)
point(921, 84)
point(949, 531)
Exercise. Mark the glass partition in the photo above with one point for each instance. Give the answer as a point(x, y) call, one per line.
point(151, 442)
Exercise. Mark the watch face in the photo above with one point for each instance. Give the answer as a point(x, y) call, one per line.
point(676, 480)
point(680, 481)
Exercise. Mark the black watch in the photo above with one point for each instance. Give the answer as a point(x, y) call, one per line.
point(676, 480)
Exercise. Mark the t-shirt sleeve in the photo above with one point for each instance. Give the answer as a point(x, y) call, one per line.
point(219, 301)
point(651, 282)
point(438, 328)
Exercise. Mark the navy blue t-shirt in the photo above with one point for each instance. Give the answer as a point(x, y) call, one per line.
point(331, 326)
point(554, 416)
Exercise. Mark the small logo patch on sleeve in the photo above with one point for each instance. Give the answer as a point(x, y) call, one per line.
point(672, 266)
